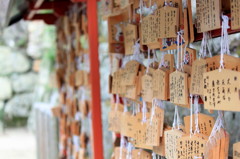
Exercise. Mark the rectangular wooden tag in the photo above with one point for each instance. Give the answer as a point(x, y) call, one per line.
point(171, 138)
point(131, 71)
point(208, 15)
point(147, 88)
point(155, 127)
point(130, 37)
point(168, 22)
point(235, 17)
point(179, 88)
point(114, 121)
point(198, 68)
point(230, 62)
point(190, 147)
point(205, 123)
point(112, 28)
point(128, 123)
point(160, 84)
point(222, 90)
point(169, 62)
point(236, 150)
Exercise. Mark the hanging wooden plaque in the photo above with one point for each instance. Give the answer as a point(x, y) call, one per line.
point(208, 15)
point(113, 23)
point(147, 88)
point(149, 29)
point(127, 124)
point(155, 127)
point(236, 150)
point(191, 147)
point(130, 37)
point(168, 22)
point(169, 62)
point(221, 90)
point(130, 74)
point(230, 62)
point(114, 121)
point(160, 84)
point(198, 68)
point(179, 88)
point(205, 124)
point(171, 138)
point(235, 17)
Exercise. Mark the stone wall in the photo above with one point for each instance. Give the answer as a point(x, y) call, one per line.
point(17, 81)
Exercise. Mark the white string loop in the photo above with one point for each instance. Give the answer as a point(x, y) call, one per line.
point(224, 40)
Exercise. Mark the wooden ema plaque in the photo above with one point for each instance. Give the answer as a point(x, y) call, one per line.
point(169, 62)
point(130, 73)
point(171, 138)
point(130, 37)
point(169, 22)
point(179, 88)
point(147, 88)
point(230, 62)
point(160, 84)
point(155, 127)
point(191, 147)
point(222, 90)
point(112, 28)
point(189, 56)
point(198, 68)
point(140, 132)
point(220, 147)
point(208, 15)
point(114, 121)
point(160, 150)
point(236, 150)
point(235, 17)
point(162, 24)
point(128, 124)
point(205, 124)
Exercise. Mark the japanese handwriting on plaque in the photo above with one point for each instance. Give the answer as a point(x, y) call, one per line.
point(130, 37)
point(147, 88)
point(160, 84)
point(128, 122)
point(131, 70)
point(149, 29)
point(179, 88)
point(208, 15)
point(198, 68)
point(222, 90)
point(114, 121)
point(205, 124)
point(168, 22)
point(236, 150)
point(235, 17)
point(190, 147)
point(230, 62)
point(171, 138)
point(155, 127)
point(160, 150)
